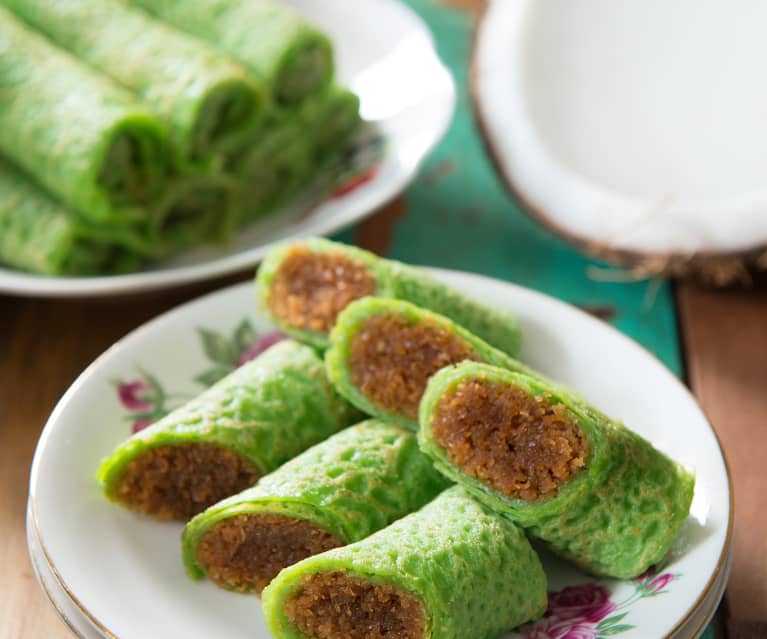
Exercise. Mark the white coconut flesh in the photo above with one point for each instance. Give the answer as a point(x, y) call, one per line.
point(638, 126)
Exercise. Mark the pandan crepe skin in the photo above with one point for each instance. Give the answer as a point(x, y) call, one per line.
point(273, 169)
point(351, 485)
point(80, 135)
point(395, 280)
point(330, 118)
point(277, 44)
point(616, 517)
point(474, 572)
point(196, 210)
point(353, 318)
point(209, 102)
point(40, 235)
point(267, 411)
point(284, 156)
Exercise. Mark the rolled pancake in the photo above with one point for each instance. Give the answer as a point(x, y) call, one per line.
point(40, 235)
point(384, 351)
point(596, 492)
point(292, 149)
point(272, 169)
point(286, 53)
point(209, 102)
point(337, 492)
point(96, 149)
point(452, 570)
point(305, 285)
point(218, 444)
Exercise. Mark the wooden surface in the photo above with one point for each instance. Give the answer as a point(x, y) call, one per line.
point(725, 334)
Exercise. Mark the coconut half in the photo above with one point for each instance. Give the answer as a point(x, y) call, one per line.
point(636, 130)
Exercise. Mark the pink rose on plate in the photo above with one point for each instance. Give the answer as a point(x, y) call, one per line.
point(589, 603)
point(553, 628)
point(659, 582)
point(544, 629)
point(133, 395)
point(581, 631)
point(260, 345)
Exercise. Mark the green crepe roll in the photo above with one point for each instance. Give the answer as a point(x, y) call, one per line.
point(337, 492)
point(219, 443)
point(275, 42)
point(196, 210)
point(383, 352)
point(304, 285)
point(291, 149)
point(452, 570)
point(593, 490)
point(209, 102)
point(273, 169)
point(330, 118)
point(38, 234)
point(76, 132)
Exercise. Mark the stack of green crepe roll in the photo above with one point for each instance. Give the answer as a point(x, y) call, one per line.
point(380, 474)
point(133, 129)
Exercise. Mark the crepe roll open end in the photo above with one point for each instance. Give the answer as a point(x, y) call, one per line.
point(245, 552)
point(310, 288)
point(306, 67)
point(180, 481)
point(224, 117)
point(520, 444)
point(337, 605)
point(392, 358)
point(132, 171)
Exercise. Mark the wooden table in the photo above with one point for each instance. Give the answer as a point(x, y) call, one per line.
point(456, 215)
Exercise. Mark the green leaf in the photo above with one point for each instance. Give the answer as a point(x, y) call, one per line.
point(211, 376)
point(146, 415)
point(244, 336)
point(217, 347)
point(616, 630)
point(610, 621)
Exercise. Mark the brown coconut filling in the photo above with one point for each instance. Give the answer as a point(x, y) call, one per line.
point(245, 552)
point(311, 288)
point(178, 481)
point(392, 359)
point(519, 444)
point(335, 605)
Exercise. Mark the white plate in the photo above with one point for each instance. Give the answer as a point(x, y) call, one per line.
point(385, 53)
point(113, 563)
point(67, 610)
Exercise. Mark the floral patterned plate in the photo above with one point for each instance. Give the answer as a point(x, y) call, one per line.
point(124, 574)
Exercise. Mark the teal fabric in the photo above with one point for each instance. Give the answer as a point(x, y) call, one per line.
point(460, 216)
